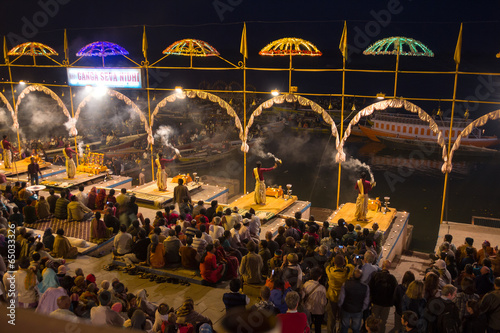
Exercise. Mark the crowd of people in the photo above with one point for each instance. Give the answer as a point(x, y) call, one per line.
point(309, 274)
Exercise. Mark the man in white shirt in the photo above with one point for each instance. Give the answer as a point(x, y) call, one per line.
point(64, 302)
point(204, 234)
point(82, 196)
point(215, 230)
point(244, 231)
point(254, 226)
point(123, 241)
point(103, 315)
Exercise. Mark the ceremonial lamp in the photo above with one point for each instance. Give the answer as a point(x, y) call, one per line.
point(288, 191)
point(386, 204)
point(196, 178)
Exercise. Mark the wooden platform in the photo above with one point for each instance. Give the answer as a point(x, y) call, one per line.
point(60, 181)
point(20, 167)
point(346, 212)
point(149, 196)
point(272, 207)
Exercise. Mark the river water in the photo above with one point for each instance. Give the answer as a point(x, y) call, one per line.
point(412, 179)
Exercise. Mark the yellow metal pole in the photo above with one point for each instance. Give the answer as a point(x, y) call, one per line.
point(73, 115)
point(244, 122)
point(341, 128)
point(449, 144)
point(290, 76)
point(149, 116)
point(14, 107)
point(396, 75)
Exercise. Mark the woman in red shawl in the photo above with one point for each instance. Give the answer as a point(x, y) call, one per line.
point(92, 198)
point(99, 231)
point(231, 262)
point(101, 199)
point(209, 269)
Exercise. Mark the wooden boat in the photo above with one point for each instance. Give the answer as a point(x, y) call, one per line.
point(433, 147)
point(410, 127)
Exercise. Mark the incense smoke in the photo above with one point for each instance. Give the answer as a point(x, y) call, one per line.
point(164, 133)
point(80, 148)
point(358, 166)
point(258, 150)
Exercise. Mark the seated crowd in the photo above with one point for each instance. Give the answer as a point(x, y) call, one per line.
point(308, 274)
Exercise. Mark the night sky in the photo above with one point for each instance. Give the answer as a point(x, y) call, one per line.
point(219, 22)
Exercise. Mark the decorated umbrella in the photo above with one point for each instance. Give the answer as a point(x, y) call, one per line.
point(498, 55)
point(32, 49)
point(290, 46)
point(399, 46)
point(101, 49)
point(191, 48)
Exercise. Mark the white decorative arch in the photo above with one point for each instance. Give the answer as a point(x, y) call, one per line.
point(9, 107)
point(112, 93)
point(38, 87)
point(447, 166)
point(203, 95)
point(390, 103)
point(290, 98)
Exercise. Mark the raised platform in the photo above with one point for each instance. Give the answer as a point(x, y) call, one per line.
point(347, 210)
point(279, 220)
point(149, 196)
point(60, 182)
point(20, 167)
point(273, 205)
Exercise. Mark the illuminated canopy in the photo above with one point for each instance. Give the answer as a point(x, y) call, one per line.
point(32, 49)
point(101, 49)
point(399, 45)
point(290, 46)
point(191, 47)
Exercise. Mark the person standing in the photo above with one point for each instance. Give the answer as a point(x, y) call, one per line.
point(260, 184)
point(180, 192)
point(161, 175)
point(7, 152)
point(490, 304)
point(382, 286)
point(293, 321)
point(364, 187)
point(70, 164)
point(353, 300)
point(34, 171)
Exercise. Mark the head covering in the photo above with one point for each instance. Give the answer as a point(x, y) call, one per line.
point(61, 269)
point(117, 307)
point(186, 308)
point(205, 328)
point(105, 284)
point(235, 209)
point(79, 281)
point(93, 190)
point(469, 241)
point(104, 297)
point(278, 253)
point(440, 264)
point(246, 221)
point(486, 243)
point(138, 320)
point(90, 278)
point(292, 258)
point(51, 264)
point(47, 232)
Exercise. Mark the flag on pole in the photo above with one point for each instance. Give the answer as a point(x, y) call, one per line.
point(144, 44)
point(458, 49)
point(243, 45)
point(5, 49)
point(65, 45)
point(343, 41)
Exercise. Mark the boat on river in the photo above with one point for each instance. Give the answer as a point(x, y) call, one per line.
point(410, 127)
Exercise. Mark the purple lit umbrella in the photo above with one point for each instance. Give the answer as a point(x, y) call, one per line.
point(101, 49)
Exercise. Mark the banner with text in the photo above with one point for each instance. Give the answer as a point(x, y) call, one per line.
point(105, 77)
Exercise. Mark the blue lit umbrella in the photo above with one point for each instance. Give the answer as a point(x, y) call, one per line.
point(101, 49)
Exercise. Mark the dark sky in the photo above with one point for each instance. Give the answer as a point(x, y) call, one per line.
point(219, 22)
